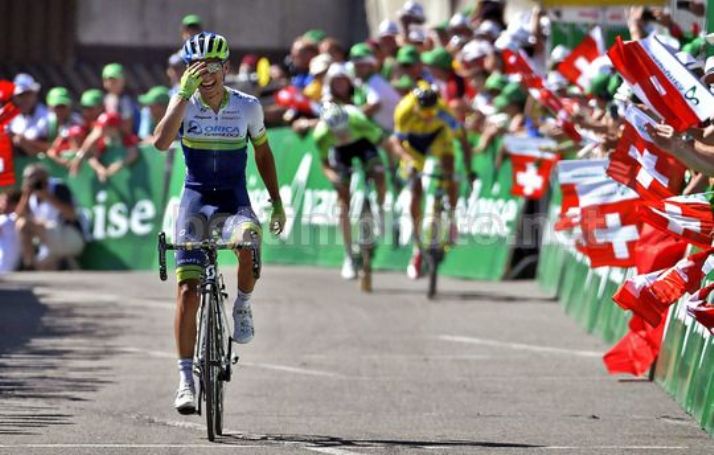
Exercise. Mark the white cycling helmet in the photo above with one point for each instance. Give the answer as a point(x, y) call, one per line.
point(205, 45)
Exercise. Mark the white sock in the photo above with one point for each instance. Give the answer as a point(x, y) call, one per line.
point(185, 367)
point(242, 298)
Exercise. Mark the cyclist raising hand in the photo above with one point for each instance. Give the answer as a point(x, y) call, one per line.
point(214, 124)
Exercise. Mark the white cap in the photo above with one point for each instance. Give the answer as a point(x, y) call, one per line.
point(417, 34)
point(387, 28)
point(336, 70)
point(319, 64)
point(559, 53)
point(489, 29)
point(25, 83)
point(459, 20)
point(456, 42)
point(475, 49)
point(413, 9)
point(689, 61)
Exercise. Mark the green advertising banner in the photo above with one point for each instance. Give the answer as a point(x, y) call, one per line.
point(124, 215)
point(487, 214)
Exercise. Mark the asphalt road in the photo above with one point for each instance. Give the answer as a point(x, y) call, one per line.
point(87, 366)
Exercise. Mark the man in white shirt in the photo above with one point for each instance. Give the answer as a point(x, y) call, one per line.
point(9, 243)
point(47, 212)
point(29, 129)
point(382, 99)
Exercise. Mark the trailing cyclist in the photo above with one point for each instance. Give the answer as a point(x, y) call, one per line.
point(214, 124)
point(343, 134)
point(423, 127)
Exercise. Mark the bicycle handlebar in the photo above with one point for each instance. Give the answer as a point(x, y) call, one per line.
point(204, 245)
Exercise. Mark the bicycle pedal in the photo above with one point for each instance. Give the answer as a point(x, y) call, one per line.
point(234, 359)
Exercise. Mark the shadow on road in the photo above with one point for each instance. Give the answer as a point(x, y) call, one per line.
point(337, 442)
point(466, 296)
point(48, 358)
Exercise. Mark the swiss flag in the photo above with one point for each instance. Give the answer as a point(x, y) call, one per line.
point(657, 250)
point(636, 352)
point(638, 163)
point(702, 311)
point(610, 233)
point(517, 63)
point(574, 173)
point(688, 217)
point(574, 66)
point(8, 111)
point(662, 82)
point(531, 166)
point(649, 295)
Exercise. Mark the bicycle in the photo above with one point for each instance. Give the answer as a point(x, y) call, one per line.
point(213, 356)
point(437, 231)
point(366, 237)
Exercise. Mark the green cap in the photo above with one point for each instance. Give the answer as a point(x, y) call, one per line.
point(315, 35)
point(155, 95)
point(191, 19)
point(113, 71)
point(598, 85)
point(438, 57)
point(361, 51)
point(496, 81)
point(613, 84)
point(408, 55)
point(694, 47)
point(511, 93)
point(403, 83)
point(58, 96)
point(92, 98)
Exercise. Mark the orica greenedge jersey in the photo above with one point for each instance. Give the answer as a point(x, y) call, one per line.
point(215, 144)
point(359, 127)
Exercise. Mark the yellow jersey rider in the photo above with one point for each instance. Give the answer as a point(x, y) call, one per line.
point(424, 127)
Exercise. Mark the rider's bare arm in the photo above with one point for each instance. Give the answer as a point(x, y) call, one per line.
point(168, 127)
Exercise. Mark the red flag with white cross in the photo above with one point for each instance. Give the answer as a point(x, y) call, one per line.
point(610, 232)
point(531, 167)
point(640, 164)
point(649, 295)
point(688, 217)
point(574, 67)
point(662, 82)
point(699, 308)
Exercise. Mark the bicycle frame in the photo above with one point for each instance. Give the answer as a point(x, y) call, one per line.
point(213, 350)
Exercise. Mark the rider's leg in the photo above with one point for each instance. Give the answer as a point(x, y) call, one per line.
point(376, 174)
point(348, 271)
point(447, 164)
point(185, 319)
point(415, 209)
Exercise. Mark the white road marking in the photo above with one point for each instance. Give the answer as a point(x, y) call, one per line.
point(330, 450)
point(267, 366)
point(128, 446)
point(613, 448)
point(519, 346)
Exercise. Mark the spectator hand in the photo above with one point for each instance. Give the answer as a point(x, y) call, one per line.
point(191, 79)
point(74, 166)
point(663, 135)
point(277, 218)
point(114, 168)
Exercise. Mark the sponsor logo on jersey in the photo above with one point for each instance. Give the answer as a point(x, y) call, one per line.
point(194, 127)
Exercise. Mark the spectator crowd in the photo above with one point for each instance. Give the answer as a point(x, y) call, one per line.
point(463, 58)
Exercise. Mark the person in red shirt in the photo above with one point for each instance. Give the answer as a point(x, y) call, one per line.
point(107, 132)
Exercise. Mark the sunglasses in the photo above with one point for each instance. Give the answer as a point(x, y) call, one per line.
point(214, 67)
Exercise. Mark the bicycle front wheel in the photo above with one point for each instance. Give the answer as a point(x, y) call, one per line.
point(209, 372)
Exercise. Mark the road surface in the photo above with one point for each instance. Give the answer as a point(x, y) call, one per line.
point(87, 366)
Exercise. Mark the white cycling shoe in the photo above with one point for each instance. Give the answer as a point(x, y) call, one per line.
point(348, 269)
point(185, 402)
point(243, 330)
